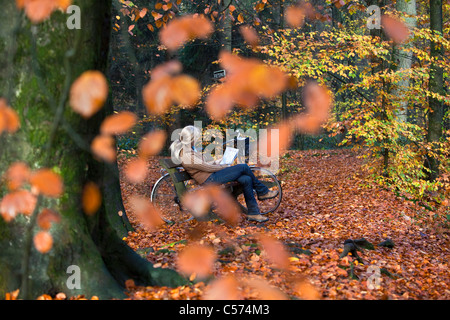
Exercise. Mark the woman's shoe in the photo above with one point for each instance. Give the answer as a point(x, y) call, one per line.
point(269, 195)
point(257, 217)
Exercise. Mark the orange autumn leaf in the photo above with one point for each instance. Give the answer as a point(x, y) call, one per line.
point(295, 16)
point(250, 35)
point(43, 241)
point(21, 201)
point(12, 295)
point(136, 170)
point(266, 81)
point(146, 212)
point(40, 10)
point(200, 201)
point(167, 88)
point(47, 183)
point(395, 29)
point(185, 90)
point(16, 175)
point(318, 101)
point(143, 12)
point(225, 205)
point(64, 4)
point(181, 30)
point(12, 120)
point(248, 81)
point(197, 259)
point(2, 122)
point(44, 297)
point(265, 290)
point(157, 95)
point(306, 123)
point(91, 198)
point(197, 202)
point(118, 123)
point(9, 119)
point(156, 15)
point(219, 102)
point(276, 140)
point(234, 64)
point(306, 290)
point(167, 6)
point(152, 143)
point(104, 147)
point(240, 18)
point(166, 69)
point(225, 288)
point(46, 218)
point(276, 252)
point(88, 93)
point(159, 23)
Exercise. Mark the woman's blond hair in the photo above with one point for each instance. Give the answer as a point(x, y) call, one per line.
point(186, 139)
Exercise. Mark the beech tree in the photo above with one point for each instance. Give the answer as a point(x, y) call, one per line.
point(43, 58)
point(436, 85)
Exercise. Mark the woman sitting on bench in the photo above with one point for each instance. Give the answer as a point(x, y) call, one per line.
point(204, 172)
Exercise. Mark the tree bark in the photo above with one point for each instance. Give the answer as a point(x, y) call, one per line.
point(46, 59)
point(436, 82)
point(404, 59)
point(226, 26)
point(379, 65)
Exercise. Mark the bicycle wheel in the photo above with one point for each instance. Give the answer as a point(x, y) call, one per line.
point(271, 182)
point(165, 199)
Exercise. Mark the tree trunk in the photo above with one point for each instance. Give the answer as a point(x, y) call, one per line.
point(436, 114)
point(226, 25)
point(46, 59)
point(379, 65)
point(404, 60)
point(284, 111)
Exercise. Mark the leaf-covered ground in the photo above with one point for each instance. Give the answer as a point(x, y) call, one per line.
point(325, 202)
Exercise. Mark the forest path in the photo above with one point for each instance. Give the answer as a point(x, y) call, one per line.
point(325, 202)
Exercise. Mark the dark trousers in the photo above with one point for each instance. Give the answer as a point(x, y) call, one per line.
point(244, 175)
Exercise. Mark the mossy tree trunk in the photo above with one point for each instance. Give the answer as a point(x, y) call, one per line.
point(40, 62)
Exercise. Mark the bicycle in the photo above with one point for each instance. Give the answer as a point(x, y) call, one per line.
point(174, 182)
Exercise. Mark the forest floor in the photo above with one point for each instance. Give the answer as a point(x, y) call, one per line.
point(326, 201)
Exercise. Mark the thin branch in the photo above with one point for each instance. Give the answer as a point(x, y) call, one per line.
point(345, 82)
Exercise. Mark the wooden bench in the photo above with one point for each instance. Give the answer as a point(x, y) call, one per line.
point(179, 178)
